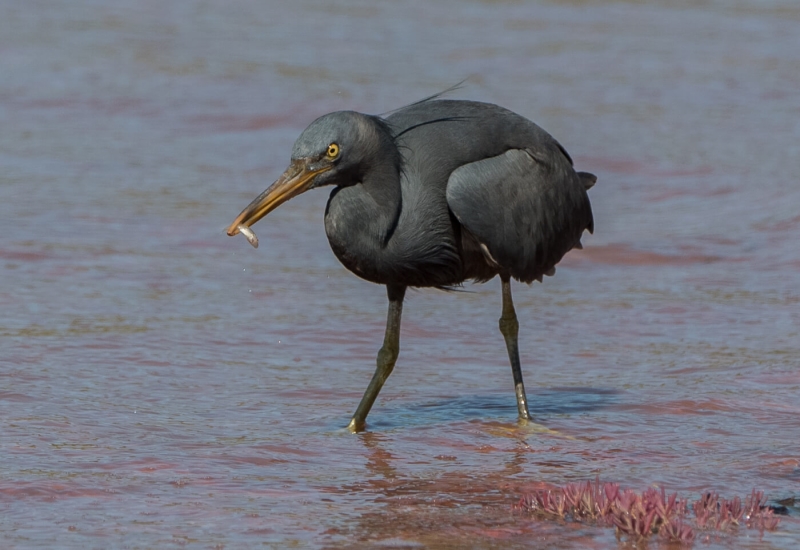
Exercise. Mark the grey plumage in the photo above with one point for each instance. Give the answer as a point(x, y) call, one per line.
point(436, 194)
point(501, 177)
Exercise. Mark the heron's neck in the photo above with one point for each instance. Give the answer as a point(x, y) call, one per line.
point(382, 184)
point(361, 219)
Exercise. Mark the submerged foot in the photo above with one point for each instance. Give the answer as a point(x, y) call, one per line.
point(528, 425)
point(356, 426)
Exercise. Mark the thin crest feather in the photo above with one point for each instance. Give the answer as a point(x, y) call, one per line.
point(437, 95)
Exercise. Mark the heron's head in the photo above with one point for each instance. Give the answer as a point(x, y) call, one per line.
point(336, 149)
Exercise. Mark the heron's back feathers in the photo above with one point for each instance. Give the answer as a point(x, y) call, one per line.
point(528, 210)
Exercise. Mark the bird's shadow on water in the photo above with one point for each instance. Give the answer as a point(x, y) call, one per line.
point(541, 404)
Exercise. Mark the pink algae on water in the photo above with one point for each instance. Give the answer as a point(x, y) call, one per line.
point(639, 516)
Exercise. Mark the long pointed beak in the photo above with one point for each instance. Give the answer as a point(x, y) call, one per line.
point(295, 180)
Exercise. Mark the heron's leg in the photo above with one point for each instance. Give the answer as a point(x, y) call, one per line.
point(509, 327)
point(387, 356)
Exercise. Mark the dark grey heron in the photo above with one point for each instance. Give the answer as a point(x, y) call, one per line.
point(435, 194)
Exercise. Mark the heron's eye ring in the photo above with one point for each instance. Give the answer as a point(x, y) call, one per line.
point(333, 151)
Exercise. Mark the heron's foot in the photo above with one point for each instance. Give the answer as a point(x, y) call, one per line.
point(356, 426)
point(524, 420)
point(522, 399)
point(529, 426)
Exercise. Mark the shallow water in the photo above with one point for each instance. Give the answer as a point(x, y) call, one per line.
point(163, 385)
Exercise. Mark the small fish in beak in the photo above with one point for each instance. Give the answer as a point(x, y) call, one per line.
point(247, 232)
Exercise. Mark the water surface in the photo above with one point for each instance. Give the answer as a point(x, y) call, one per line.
point(162, 385)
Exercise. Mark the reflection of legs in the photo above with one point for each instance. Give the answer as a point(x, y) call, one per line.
point(509, 327)
point(387, 356)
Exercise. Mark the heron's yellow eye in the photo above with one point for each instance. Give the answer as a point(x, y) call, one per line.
point(333, 151)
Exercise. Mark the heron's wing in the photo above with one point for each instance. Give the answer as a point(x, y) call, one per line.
point(526, 208)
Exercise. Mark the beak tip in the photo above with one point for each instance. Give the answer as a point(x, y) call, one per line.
point(233, 229)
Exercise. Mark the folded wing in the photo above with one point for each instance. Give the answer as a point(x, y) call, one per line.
point(527, 208)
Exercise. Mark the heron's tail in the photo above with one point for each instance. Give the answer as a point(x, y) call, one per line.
point(588, 180)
